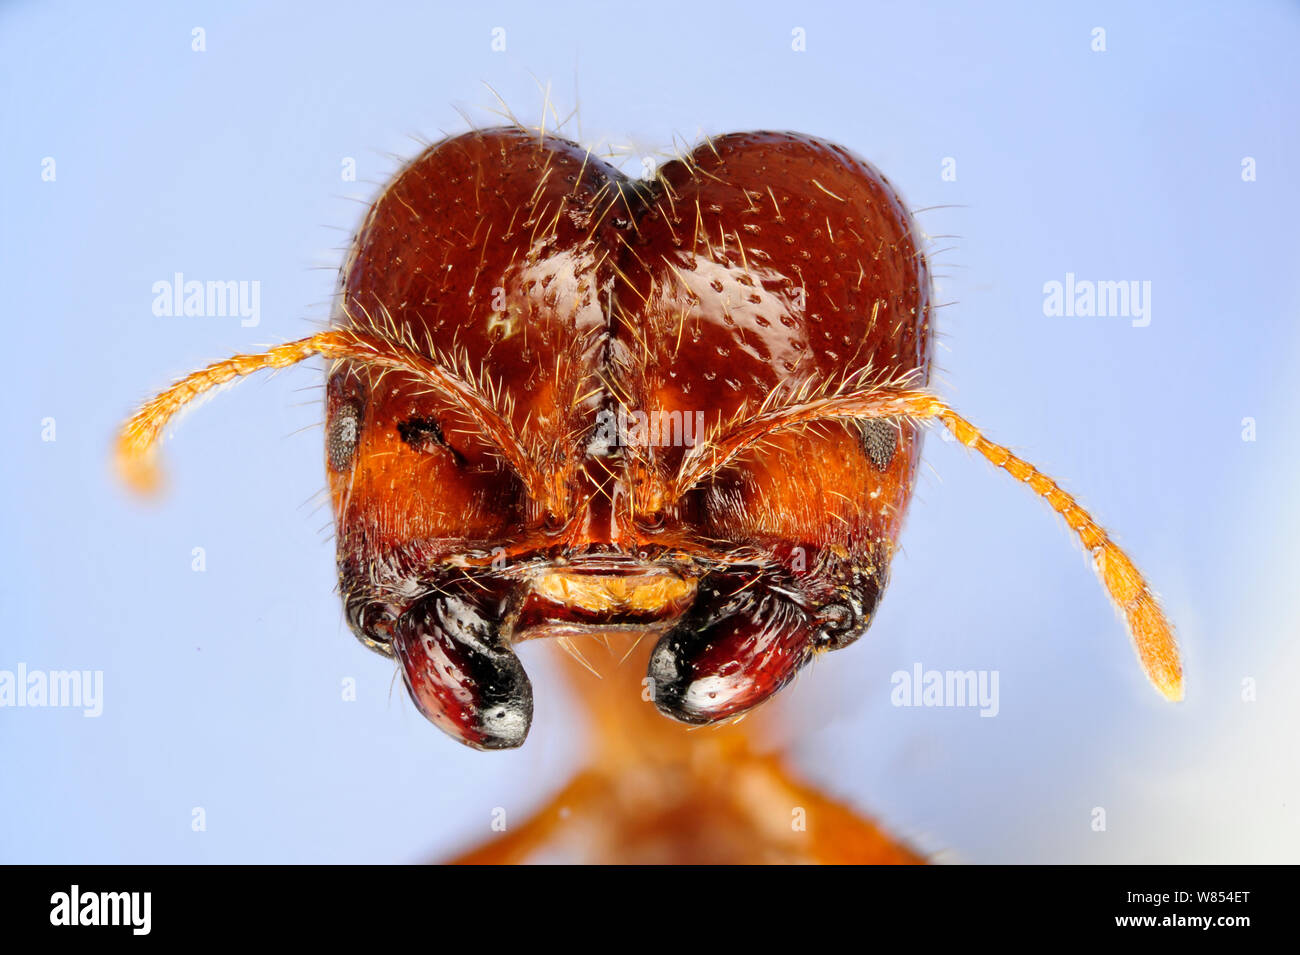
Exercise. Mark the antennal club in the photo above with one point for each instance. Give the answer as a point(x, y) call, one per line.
point(1151, 632)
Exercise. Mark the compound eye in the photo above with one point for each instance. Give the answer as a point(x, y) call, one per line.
point(344, 433)
point(880, 441)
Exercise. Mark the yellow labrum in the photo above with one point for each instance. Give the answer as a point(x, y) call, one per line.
point(610, 593)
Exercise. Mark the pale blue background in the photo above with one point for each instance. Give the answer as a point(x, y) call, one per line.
point(223, 688)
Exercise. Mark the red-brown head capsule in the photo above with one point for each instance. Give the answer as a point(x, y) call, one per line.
point(563, 402)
